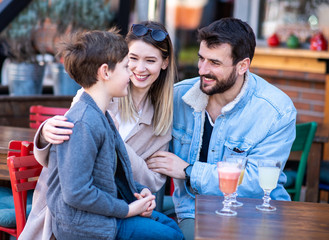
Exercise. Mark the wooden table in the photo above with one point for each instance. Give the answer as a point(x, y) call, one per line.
point(7, 134)
point(291, 220)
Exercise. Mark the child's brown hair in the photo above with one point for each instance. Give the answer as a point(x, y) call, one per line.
point(84, 52)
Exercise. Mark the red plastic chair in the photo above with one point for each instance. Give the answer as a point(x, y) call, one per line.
point(39, 113)
point(23, 177)
point(18, 149)
point(168, 206)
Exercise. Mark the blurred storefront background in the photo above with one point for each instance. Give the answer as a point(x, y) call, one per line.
point(183, 18)
point(301, 18)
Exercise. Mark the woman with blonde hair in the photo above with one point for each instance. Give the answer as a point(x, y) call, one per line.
point(144, 116)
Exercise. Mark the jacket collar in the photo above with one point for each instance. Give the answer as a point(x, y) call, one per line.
point(199, 100)
point(146, 116)
point(196, 98)
point(148, 112)
point(85, 97)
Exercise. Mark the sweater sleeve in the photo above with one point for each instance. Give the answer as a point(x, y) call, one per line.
point(75, 168)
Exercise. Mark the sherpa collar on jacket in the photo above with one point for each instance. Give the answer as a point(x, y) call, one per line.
point(199, 100)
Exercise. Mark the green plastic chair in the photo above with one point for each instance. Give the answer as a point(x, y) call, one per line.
point(304, 137)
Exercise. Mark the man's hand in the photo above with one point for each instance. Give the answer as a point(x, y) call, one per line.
point(53, 132)
point(168, 164)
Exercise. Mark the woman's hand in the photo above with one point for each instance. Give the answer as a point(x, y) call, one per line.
point(53, 130)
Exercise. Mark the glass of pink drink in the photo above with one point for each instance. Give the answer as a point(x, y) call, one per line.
point(228, 174)
point(243, 161)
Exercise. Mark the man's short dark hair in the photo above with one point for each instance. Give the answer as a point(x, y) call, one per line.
point(231, 31)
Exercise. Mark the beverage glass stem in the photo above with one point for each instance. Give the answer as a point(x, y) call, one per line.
point(233, 196)
point(266, 198)
point(266, 203)
point(226, 202)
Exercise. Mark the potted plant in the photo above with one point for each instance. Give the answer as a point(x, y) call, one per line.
point(70, 16)
point(25, 69)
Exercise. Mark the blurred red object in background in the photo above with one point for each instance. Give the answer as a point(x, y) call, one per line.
point(318, 42)
point(273, 40)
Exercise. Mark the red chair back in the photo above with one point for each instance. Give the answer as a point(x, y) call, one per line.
point(24, 172)
point(20, 148)
point(39, 113)
point(172, 186)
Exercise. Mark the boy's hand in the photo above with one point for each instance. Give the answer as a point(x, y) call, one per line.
point(140, 205)
point(144, 193)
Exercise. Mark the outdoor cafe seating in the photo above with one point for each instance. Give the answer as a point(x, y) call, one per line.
point(309, 132)
point(15, 203)
point(305, 133)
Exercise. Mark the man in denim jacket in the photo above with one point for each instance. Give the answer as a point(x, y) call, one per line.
point(225, 111)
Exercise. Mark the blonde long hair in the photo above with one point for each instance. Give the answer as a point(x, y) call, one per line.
point(161, 91)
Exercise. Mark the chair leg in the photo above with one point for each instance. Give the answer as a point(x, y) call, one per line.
point(323, 195)
point(4, 236)
point(319, 195)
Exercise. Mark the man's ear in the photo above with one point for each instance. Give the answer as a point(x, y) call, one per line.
point(243, 66)
point(165, 63)
point(104, 72)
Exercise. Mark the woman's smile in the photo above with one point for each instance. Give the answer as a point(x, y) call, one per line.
point(139, 77)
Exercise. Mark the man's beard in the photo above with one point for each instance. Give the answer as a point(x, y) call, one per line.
point(220, 87)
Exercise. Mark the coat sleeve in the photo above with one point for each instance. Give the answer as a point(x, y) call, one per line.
point(142, 174)
point(41, 147)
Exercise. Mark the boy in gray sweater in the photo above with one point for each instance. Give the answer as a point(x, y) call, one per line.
point(91, 191)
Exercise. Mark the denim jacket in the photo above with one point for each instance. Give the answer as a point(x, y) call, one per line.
point(259, 122)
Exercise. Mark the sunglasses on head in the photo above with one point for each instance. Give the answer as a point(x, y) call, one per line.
point(156, 34)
